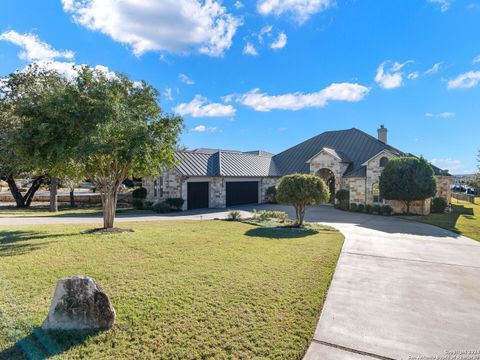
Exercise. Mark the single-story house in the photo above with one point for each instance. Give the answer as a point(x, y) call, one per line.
point(346, 159)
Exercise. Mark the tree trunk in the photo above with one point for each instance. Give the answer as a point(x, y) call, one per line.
point(53, 194)
point(408, 207)
point(28, 198)
point(299, 214)
point(72, 198)
point(17, 195)
point(109, 201)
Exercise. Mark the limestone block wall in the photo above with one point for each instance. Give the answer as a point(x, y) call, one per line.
point(218, 194)
point(374, 171)
point(169, 186)
point(356, 186)
point(265, 183)
point(416, 207)
point(325, 160)
point(444, 184)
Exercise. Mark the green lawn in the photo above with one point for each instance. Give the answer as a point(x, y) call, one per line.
point(63, 211)
point(182, 290)
point(464, 219)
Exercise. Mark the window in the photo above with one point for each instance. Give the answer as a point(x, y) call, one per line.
point(376, 193)
point(155, 188)
point(160, 186)
point(383, 161)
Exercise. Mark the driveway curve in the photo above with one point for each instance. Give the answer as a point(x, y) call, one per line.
point(401, 289)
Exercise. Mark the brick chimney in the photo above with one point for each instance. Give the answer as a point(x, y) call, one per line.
point(382, 134)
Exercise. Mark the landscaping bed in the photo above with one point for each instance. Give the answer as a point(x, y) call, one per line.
point(182, 290)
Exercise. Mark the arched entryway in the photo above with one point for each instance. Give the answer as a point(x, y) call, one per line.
point(329, 177)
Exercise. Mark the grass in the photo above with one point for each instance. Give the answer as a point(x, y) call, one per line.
point(182, 290)
point(63, 211)
point(464, 219)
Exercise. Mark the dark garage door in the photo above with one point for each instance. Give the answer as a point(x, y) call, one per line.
point(242, 192)
point(197, 195)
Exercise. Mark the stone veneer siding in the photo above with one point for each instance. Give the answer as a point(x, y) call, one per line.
point(325, 160)
point(175, 185)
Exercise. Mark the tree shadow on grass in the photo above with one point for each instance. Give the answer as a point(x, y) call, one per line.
point(42, 344)
point(20, 242)
point(281, 233)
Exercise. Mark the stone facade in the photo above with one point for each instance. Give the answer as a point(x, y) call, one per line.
point(356, 187)
point(325, 160)
point(374, 169)
point(171, 185)
point(444, 189)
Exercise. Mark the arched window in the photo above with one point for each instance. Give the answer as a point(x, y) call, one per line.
point(376, 193)
point(383, 161)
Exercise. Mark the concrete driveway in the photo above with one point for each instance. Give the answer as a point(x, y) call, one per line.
point(401, 289)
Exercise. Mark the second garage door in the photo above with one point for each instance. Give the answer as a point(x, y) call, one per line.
point(242, 192)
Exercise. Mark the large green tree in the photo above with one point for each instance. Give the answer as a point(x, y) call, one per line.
point(301, 190)
point(110, 127)
point(12, 164)
point(407, 179)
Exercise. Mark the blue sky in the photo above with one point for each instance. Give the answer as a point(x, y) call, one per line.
point(267, 74)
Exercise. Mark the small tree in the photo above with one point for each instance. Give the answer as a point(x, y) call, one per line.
point(407, 179)
point(301, 190)
point(474, 181)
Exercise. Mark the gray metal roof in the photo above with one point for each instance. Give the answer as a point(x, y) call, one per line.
point(224, 163)
point(353, 146)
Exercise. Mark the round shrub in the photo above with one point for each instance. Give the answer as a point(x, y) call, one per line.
point(353, 207)
point(360, 208)
point(387, 210)
point(271, 195)
point(439, 205)
point(342, 196)
point(377, 209)
point(175, 203)
point(140, 193)
point(368, 209)
point(161, 207)
point(137, 203)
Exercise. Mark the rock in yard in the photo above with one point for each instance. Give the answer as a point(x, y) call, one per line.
point(79, 303)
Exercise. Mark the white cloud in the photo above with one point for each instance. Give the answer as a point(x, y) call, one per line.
point(70, 69)
point(445, 114)
point(199, 107)
point(476, 59)
point(466, 80)
point(444, 4)
point(203, 128)
point(33, 48)
point(296, 101)
point(249, 49)
point(413, 75)
point(434, 69)
point(454, 166)
point(177, 26)
point(300, 9)
point(238, 5)
point(280, 42)
point(168, 94)
point(185, 79)
point(393, 77)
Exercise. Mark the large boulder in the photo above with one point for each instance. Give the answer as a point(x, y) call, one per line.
point(79, 303)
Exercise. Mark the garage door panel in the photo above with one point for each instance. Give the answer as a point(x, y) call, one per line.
point(241, 192)
point(197, 195)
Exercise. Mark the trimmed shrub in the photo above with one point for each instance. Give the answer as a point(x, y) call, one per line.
point(439, 205)
point(377, 209)
point(137, 203)
point(271, 195)
point(343, 196)
point(147, 205)
point(387, 210)
point(234, 215)
point(360, 208)
point(140, 193)
point(272, 214)
point(161, 207)
point(368, 209)
point(175, 203)
point(353, 207)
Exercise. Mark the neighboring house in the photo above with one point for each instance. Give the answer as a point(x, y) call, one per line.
point(345, 159)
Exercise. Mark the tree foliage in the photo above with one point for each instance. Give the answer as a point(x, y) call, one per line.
point(301, 190)
point(407, 179)
point(106, 127)
point(474, 181)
